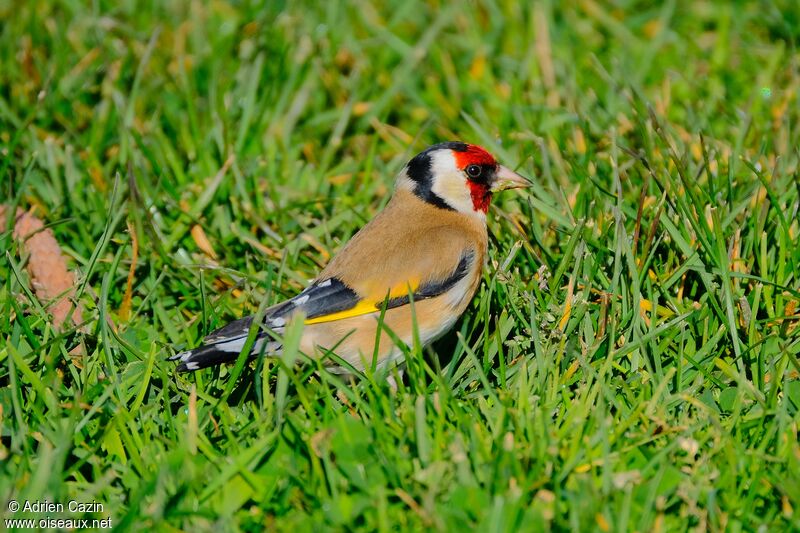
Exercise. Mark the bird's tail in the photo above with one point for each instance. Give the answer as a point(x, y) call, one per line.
point(217, 353)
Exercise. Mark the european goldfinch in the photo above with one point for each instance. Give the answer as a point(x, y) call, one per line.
point(418, 259)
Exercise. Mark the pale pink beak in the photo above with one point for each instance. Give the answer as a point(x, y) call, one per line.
point(508, 179)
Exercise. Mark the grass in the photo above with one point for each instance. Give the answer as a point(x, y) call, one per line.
point(629, 363)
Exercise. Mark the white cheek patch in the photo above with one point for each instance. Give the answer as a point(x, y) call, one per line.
point(449, 183)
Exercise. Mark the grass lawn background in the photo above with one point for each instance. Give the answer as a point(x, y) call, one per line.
point(629, 363)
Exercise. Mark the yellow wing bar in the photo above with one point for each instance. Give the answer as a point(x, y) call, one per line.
point(367, 305)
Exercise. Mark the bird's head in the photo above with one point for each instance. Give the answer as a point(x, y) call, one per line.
point(458, 176)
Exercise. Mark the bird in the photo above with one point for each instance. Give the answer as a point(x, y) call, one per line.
point(417, 263)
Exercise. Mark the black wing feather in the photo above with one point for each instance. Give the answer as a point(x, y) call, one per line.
point(319, 299)
point(237, 328)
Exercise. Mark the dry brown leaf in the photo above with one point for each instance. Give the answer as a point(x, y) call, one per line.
point(201, 240)
point(52, 281)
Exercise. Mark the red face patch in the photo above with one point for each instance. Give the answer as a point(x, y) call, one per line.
point(479, 191)
point(474, 155)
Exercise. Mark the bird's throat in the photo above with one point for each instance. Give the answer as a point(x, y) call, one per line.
point(481, 196)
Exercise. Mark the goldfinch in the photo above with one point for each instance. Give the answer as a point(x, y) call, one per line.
point(420, 259)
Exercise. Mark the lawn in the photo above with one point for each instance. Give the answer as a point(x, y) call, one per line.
point(630, 362)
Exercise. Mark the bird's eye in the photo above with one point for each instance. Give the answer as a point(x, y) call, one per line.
point(474, 171)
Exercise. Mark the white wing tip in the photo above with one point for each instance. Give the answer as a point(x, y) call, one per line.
point(182, 356)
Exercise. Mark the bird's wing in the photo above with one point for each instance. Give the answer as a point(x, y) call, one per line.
point(321, 298)
point(409, 251)
point(329, 298)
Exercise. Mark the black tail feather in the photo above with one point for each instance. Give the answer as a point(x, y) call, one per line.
point(204, 357)
point(220, 352)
